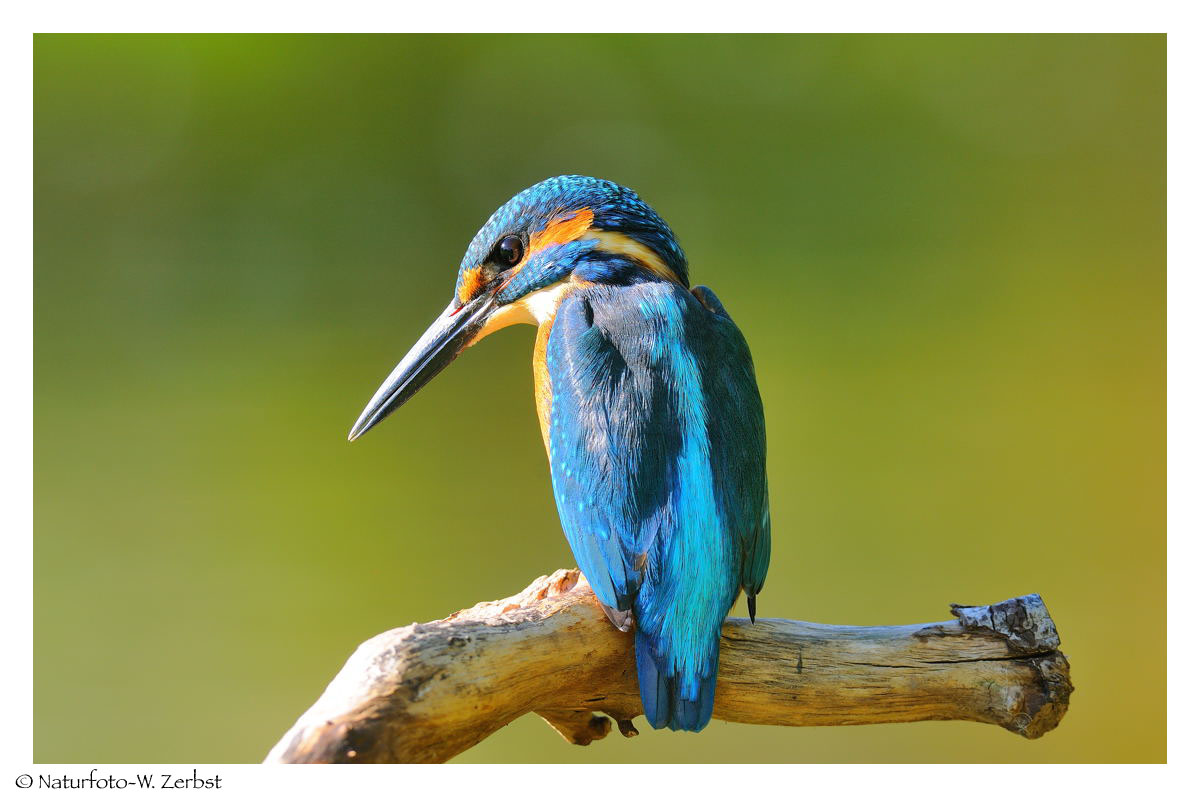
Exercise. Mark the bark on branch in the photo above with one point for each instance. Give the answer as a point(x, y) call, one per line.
point(429, 691)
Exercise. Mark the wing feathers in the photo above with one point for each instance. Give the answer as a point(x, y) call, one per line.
point(657, 453)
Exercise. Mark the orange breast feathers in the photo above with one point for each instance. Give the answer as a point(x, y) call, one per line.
point(542, 392)
point(541, 382)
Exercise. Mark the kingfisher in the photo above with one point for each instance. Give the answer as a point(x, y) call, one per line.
point(649, 412)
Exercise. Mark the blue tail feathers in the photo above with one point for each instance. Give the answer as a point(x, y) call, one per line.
point(664, 697)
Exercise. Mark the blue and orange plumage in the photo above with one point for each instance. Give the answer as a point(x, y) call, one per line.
point(650, 414)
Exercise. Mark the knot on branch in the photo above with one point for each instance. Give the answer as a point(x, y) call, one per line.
point(543, 588)
point(1023, 622)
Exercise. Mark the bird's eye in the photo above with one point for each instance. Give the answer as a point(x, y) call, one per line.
point(509, 251)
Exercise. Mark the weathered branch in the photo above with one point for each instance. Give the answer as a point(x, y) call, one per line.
point(430, 691)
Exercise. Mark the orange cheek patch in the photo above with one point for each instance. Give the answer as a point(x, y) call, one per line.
point(472, 283)
point(561, 231)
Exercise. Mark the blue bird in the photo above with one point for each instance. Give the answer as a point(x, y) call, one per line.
point(649, 412)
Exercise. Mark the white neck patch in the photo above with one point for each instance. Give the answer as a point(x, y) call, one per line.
point(535, 308)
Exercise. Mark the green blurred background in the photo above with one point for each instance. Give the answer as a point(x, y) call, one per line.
point(946, 252)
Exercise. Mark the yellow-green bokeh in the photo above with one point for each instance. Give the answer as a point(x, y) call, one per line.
point(946, 252)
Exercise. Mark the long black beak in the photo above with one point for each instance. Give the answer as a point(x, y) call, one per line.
point(445, 339)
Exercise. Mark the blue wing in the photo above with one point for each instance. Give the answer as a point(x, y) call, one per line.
point(657, 454)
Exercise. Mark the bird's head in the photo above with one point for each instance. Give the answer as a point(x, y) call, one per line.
point(562, 231)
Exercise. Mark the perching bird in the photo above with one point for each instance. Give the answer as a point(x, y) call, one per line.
point(650, 415)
